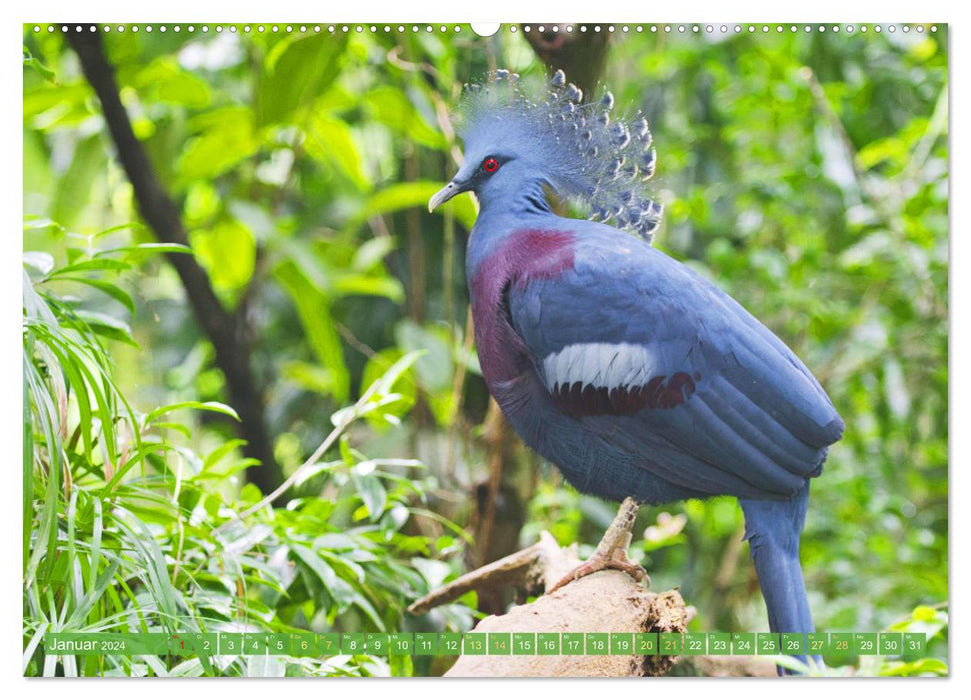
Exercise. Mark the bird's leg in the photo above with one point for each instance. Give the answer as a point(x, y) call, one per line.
point(611, 553)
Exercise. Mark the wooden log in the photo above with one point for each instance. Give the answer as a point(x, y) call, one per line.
point(607, 601)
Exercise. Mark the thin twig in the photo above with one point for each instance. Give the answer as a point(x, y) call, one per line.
point(348, 335)
point(543, 562)
point(347, 418)
point(494, 433)
point(311, 461)
point(458, 394)
point(936, 127)
point(507, 569)
point(859, 170)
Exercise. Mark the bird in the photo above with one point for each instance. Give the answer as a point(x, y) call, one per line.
point(638, 378)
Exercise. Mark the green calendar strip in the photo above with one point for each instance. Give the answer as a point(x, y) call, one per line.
point(196, 644)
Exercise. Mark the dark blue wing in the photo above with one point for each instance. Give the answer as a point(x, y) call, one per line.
point(653, 358)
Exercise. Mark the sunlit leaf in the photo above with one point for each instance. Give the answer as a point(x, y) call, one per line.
point(227, 137)
point(214, 406)
point(296, 70)
point(331, 141)
point(391, 106)
point(228, 252)
point(74, 187)
point(314, 310)
point(164, 80)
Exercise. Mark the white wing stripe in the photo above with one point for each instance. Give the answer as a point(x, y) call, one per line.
point(601, 365)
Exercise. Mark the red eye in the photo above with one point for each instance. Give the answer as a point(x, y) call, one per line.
point(490, 165)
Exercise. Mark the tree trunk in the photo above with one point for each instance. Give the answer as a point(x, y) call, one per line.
point(581, 55)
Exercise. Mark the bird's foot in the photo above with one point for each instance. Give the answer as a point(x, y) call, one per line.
point(611, 553)
point(599, 562)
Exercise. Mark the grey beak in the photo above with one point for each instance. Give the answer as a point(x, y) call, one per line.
point(444, 194)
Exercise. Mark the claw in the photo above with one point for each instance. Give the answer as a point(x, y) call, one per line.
point(611, 553)
point(597, 563)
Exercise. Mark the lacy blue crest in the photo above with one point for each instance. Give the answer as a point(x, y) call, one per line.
point(585, 152)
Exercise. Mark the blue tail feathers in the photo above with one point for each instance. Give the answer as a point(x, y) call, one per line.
point(773, 529)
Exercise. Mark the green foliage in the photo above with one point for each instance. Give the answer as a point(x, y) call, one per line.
point(807, 174)
point(128, 529)
point(932, 622)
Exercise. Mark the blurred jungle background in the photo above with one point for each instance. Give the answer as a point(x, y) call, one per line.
point(249, 273)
